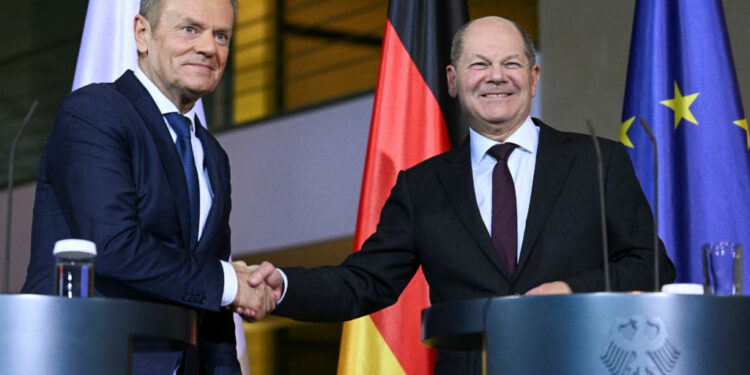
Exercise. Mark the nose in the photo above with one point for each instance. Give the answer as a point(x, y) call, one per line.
point(496, 73)
point(206, 44)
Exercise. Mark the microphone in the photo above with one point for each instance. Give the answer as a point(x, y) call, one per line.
point(9, 208)
point(656, 205)
point(602, 210)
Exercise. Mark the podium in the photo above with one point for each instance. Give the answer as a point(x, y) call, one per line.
point(598, 333)
point(55, 335)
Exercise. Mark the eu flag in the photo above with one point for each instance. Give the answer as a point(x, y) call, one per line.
point(681, 80)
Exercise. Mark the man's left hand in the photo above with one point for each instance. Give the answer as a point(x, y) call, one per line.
point(555, 287)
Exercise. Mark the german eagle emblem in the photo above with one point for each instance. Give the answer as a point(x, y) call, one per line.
point(640, 346)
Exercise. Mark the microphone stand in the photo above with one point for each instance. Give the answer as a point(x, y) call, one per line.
point(602, 211)
point(9, 208)
point(656, 204)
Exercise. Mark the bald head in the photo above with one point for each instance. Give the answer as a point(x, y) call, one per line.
point(457, 45)
point(494, 76)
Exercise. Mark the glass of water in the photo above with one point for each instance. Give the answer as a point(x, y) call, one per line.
point(722, 268)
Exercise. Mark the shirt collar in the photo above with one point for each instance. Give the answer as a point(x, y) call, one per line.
point(162, 102)
point(526, 137)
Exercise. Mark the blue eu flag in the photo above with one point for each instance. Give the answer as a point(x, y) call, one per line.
point(681, 80)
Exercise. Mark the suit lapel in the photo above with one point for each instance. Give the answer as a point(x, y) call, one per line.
point(211, 158)
point(553, 162)
point(456, 177)
point(132, 89)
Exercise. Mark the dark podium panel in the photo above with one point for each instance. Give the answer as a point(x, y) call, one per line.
point(55, 335)
point(598, 333)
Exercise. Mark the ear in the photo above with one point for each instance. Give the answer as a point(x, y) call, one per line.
point(450, 72)
point(535, 72)
point(142, 31)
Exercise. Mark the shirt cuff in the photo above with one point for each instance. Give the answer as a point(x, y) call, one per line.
point(286, 283)
point(230, 284)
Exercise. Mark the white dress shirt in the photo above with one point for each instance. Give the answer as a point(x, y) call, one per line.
point(522, 162)
point(206, 195)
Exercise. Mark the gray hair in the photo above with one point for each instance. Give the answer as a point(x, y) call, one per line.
point(150, 10)
point(457, 46)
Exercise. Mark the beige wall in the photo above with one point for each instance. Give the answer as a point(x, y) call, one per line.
point(23, 203)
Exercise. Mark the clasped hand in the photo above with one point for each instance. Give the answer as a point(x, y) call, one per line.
point(260, 288)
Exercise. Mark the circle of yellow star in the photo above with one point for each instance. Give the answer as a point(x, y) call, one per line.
point(743, 124)
point(624, 139)
point(681, 106)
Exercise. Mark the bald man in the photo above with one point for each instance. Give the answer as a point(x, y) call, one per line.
point(510, 211)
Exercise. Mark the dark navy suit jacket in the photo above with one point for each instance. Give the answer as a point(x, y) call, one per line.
point(110, 173)
point(432, 220)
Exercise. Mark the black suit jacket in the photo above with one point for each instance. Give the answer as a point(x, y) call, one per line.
point(431, 219)
point(110, 173)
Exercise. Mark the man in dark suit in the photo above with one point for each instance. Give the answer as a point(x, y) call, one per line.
point(482, 223)
point(129, 167)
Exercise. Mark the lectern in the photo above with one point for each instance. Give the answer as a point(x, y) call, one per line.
point(598, 333)
point(55, 335)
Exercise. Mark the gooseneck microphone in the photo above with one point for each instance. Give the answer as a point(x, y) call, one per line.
point(656, 204)
point(602, 210)
point(9, 207)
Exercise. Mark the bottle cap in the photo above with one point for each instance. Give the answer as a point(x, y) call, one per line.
point(74, 245)
point(682, 288)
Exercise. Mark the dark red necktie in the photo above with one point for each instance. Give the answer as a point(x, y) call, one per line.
point(504, 228)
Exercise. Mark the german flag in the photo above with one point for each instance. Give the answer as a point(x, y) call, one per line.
point(412, 118)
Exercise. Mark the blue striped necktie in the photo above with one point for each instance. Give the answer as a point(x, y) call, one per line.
point(181, 126)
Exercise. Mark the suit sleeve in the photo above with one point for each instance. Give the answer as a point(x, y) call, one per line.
point(630, 233)
point(217, 346)
point(368, 280)
point(90, 160)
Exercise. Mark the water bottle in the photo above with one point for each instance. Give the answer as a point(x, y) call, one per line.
point(74, 265)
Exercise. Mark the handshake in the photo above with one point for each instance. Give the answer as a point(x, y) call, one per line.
point(260, 288)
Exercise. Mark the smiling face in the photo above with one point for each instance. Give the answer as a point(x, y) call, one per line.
point(493, 78)
point(186, 53)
